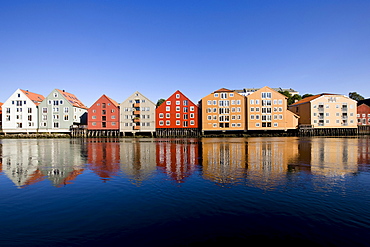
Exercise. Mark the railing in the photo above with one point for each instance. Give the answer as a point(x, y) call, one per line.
point(136, 104)
point(136, 112)
point(136, 127)
point(136, 120)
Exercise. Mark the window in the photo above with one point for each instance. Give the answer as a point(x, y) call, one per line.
point(161, 122)
point(185, 123)
point(191, 115)
point(177, 115)
point(56, 102)
point(275, 124)
point(252, 117)
point(177, 122)
point(168, 102)
point(252, 109)
point(177, 96)
point(55, 95)
point(177, 108)
point(177, 102)
point(44, 117)
point(61, 102)
point(209, 102)
point(257, 102)
point(191, 108)
point(7, 110)
point(252, 101)
point(216, 94)
point(280, 102)
point(160, 115)
point(103, 105)
point(257, 124)
point(66, 110)
point(113, 117)
point(66, 117)
point(185, 109)
point(168, 122)
point(191, 122)
point(29, 118)
point(167, 115)
point(185, 102)
point(231, 94)
point(185, 116)
point(223, 95)
point(56, 125)
point(168, 108)
point(7, 118)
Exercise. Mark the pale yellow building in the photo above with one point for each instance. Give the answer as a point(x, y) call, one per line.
point(223, 110)
point(267, 110)
point(326, 111)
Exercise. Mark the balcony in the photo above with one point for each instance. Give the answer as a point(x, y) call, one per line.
point(344, 108)
point(136, 112)
point(136, 120)
point(136, 127)
point(136, 104)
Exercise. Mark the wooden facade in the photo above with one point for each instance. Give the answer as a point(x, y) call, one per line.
point(267, 110)
point(223, 110)
point(177, 116)
point(363, 115)
point(103, 117)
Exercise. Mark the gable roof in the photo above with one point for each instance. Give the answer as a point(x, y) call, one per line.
point(72, 99)
point(34, 97)
point(223, 90)
point(112, 100)
point(310, 98)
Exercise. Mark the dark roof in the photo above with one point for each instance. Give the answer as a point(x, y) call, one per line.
point(365, 101)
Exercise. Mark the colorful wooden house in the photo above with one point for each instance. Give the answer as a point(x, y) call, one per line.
point(60, 111)
point(103, 117)
point(267, 110)
point(20, 112)
point(177, 116)
point(326, 111)
point(137, 115)
point(223, 110)
point(363, 112)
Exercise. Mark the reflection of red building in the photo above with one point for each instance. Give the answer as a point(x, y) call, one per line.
point(104, 158)
point(178, 160)
point(363, 151)
point(34, 178)
point(177, 116)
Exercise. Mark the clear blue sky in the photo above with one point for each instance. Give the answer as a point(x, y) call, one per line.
point(90, 48)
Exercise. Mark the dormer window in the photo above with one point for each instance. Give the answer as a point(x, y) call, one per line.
point(55, 95)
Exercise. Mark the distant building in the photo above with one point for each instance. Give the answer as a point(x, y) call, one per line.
point(177, 116)
point(137, 115)
point(223, 110)
point(267, 110)
point(363, 112)
point(103, 117)
point(20, 112)
point(248, 91)
point(60, 111)
point(326, 111)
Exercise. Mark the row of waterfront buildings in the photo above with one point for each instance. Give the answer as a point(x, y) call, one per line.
point(224, 110)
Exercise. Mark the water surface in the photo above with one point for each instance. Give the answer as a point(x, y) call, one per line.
point(185, 192)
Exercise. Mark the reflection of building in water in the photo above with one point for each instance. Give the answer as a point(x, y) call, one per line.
point(103, 157)
point(224, 160)
point(364, 153)
point(60, 160)
point(20, 161)
point(332, 156)
point(176, 159)
point(137, 158)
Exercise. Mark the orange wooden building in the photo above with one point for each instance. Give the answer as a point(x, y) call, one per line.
point(177, 116)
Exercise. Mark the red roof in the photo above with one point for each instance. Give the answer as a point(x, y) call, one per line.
point(1, 104)
point(112, 100)
point(310, 98)
point(36, 98)
point(72, 99)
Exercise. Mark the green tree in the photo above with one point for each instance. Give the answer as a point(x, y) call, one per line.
point(306, 95)
point(160, 101)
point(291, 98)
point(355, 96)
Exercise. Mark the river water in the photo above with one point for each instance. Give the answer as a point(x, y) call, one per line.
point(185, 192)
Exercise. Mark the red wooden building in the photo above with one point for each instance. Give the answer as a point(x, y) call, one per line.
point(103, 117)
point(177, 116)
point(363, 114)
